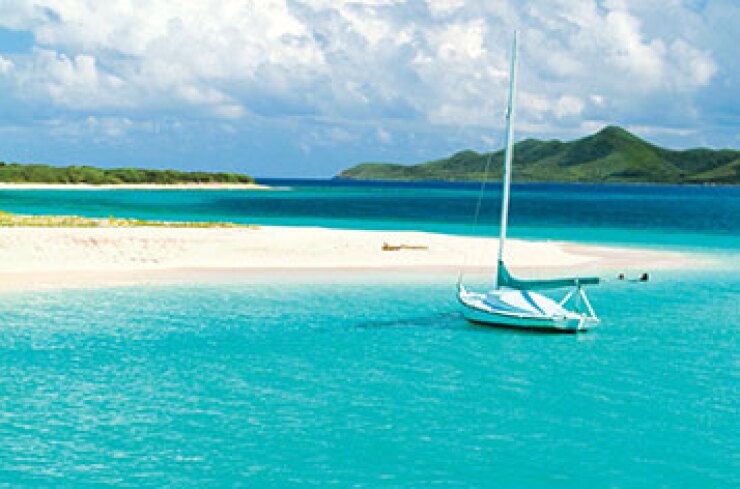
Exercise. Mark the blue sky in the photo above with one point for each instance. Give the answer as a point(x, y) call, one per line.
point(306, 88)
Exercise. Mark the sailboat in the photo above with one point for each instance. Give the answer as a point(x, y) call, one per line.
point(514, 302)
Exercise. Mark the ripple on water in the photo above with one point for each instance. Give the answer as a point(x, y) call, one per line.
point(313, 384)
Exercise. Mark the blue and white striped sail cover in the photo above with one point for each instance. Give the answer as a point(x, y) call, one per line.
point(522, 302)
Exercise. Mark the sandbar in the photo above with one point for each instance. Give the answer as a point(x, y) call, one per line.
point(74, 257)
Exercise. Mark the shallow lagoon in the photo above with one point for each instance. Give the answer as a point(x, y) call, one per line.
point(375, 381)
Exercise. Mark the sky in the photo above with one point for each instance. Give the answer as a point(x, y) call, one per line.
point(305, 88)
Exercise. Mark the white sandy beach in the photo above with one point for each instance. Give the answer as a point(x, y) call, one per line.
point(57, 257)
point(133, 186)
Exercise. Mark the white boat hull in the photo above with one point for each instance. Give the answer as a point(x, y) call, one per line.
point(476, 308)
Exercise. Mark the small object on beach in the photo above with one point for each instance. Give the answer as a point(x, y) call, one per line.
point(620, 276)
point(414, 247)
point(387, 247)
point(644, 277)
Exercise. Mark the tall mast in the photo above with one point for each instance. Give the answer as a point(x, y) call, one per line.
point(506, 182)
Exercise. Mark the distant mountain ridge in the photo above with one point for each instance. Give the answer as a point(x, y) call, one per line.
point(612, 155)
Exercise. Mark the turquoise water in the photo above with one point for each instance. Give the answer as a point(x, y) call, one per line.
point(376, 380)
point(667, 216)
point(366, 382)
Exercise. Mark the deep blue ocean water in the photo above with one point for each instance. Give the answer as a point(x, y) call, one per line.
point(704, 217)
point(377, 380)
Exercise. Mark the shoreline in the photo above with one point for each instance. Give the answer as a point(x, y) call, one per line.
point(134, 186)
point(32, 258)
point(542, 182)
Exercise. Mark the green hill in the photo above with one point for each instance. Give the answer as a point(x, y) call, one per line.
point(610, 155)
point(17, 173)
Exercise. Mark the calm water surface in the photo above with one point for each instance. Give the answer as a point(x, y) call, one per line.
point(696, 217)
point(379, 382)
point(372, 383)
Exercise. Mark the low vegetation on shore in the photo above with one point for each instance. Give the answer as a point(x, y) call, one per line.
point(16, 220)
point(18, 173)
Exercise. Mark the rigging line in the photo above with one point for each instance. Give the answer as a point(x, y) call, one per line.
point(476, 216)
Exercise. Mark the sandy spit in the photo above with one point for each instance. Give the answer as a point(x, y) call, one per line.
point(59, 257)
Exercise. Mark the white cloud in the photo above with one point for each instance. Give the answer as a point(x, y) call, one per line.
point(540, 107)
point(112, 127)
point(5, 65)
point(230, 111)
point(164, 53)
point(568, 106)
point(462, 41)
point(647, 131)
point(98, 128)
point(383, 136)
point(534, 104)
point(441, 8)
point(597, 100)
point(693, 67)
point(21, 15)
point(72, 82)
point(629, 52)
point(443, 63)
